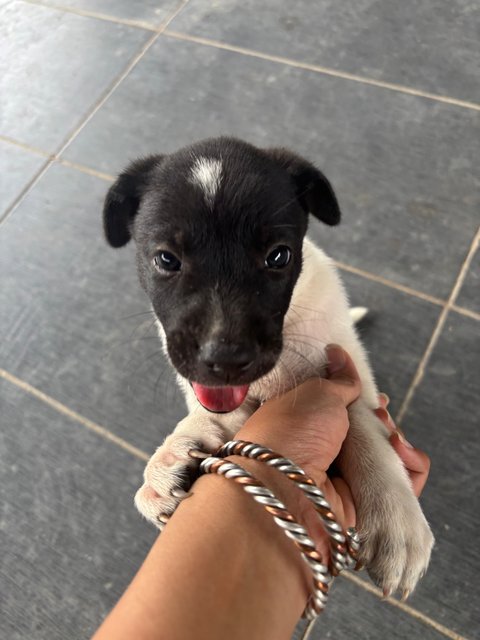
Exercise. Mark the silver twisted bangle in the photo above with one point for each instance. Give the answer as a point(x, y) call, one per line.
point(291, 528)
point(344, 544)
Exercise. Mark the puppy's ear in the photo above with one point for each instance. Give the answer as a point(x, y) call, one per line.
point(123, 199)
point(314, 192)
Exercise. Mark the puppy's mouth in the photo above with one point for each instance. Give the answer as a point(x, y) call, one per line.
point(220, 399)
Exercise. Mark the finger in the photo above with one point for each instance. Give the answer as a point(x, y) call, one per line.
point(383, 415)
point(342, 374)
point(383, 400)
point(416, 461)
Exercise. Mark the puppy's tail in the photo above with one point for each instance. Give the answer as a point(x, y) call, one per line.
point(357, 314)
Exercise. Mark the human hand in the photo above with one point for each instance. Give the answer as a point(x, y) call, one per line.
point(308, 425)
point(416, 462)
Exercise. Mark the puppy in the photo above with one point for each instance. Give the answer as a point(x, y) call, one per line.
point(245, 305)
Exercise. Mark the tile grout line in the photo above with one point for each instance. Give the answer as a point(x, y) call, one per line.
point(465, 266)
point(466, 312)
point(26, 147)
point(420, 372)
point(414, 613)
point(73, 415)
point(344, 75)
point(390, 283)
point(138, 24)
point(121, 77)
point(142, 455)
point(107, 177)
point(83, 169)
point(100, 102)
point(23, 192)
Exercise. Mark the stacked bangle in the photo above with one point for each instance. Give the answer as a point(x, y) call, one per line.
point(344, 544)
point(289, 525)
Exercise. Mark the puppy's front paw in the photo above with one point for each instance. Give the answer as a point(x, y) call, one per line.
point(396, 542)
point(169, 474)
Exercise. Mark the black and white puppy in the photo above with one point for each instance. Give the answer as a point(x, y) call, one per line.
point(245, 307)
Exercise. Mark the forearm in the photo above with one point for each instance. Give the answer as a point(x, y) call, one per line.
point(221, 569)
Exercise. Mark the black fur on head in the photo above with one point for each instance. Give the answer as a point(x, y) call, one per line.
point(219, 227)
point(123, 200)
point(313, 190)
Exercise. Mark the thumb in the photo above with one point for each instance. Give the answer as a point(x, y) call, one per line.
point(342, 374)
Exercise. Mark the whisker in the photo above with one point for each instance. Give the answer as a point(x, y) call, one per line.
point(297, 340)
point(290, 374)
point(310, 309)
point(135, 315)
point(316, 368)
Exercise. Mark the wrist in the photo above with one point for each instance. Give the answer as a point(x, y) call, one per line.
point(254, 544)
point(294, 501)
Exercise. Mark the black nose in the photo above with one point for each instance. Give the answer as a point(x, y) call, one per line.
point(226, 360)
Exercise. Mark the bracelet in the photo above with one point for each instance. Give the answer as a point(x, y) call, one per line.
point(292, 529)
point(344, 544)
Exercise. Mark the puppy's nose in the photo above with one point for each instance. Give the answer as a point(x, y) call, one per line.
point(226, 359)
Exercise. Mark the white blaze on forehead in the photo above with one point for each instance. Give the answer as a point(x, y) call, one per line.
point(207, 173)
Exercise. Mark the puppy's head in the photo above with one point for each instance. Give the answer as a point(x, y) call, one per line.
point(218, 228)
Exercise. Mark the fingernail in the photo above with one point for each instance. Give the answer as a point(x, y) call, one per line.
point(383, 414)
point(386, 418)
point(336, 358)
point(386, 399)
point(403, 440)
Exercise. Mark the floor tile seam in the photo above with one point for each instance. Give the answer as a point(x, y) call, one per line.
point(368, 275)
point(26, 147)
point(466, 312)
point(464, 269)
point(138, 453)
point(420, 372)
point(120, 78)
point(94, 108)
point(344, 75)
point(54, 158)
point(63, 409)
point(106, 177)
point(85, 13)
point(107, 93)
point(72, 135)
point(403, 606)
point(23, 192)
point(139, 24)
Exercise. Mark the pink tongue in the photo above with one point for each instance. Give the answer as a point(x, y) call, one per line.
point(220, 398)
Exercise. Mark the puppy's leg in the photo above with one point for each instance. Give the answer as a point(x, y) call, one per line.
point(171, 470)
point(396, 538)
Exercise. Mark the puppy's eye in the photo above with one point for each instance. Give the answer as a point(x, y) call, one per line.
point(166, 261)
point(278, 258)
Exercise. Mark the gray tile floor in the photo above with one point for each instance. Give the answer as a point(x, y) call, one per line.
point(384, 97)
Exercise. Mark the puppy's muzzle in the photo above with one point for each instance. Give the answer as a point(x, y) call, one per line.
point(227, 362)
